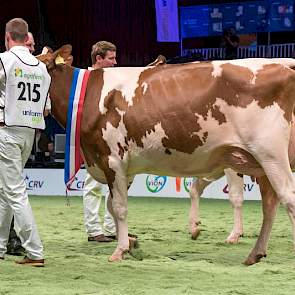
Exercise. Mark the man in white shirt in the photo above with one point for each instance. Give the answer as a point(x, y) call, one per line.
point(24, 85)
point(14, 246)
point(103, 55)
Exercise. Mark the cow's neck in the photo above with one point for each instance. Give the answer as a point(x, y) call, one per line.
point(61, 79)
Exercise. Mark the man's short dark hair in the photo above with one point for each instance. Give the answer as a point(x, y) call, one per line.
point(18, 29)
point(101, 48)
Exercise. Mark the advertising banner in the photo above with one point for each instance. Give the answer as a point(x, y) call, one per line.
point(50, 182)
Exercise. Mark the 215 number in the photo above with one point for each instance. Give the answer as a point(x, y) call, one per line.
point(33, 94)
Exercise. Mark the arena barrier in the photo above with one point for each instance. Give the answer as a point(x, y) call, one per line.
point(50, 182)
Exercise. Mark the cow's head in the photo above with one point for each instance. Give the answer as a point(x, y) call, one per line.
point(60, 56)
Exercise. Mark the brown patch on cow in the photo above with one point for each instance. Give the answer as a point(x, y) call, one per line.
point(58, 92)
point(163, 103)
point(177, 95)
point(174, 96)
point(273, 83)
point(94, 123)
point(95, 150)
point(218, 115)
point(121, 151)
point(205, 136)
point(276, 84)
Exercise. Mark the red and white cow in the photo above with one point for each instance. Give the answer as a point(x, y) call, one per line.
point(184, 120)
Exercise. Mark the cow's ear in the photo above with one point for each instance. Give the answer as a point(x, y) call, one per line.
point(45, 58)
point(60, 56)
point(46, 49)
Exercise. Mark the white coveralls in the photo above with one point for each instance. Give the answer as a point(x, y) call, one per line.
point(92, 195)
point(23, 74)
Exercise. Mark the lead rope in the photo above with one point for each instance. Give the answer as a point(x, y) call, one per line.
point(68, 204)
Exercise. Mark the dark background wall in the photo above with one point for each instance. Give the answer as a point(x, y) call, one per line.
point(130, 24)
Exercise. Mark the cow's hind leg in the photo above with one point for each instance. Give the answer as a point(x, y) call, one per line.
point(269, 206)
point(194, 215)
point(236, 185)
point(276, 165)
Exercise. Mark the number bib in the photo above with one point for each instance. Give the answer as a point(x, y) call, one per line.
point(27, 85)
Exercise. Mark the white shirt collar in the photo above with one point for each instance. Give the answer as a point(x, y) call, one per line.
point(18, 48)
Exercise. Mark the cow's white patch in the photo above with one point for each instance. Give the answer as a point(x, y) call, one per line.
point(121, 79)
point(115, 136)
point(251, 128)
point(253, 64)
point(153, 139)
point(145, 87)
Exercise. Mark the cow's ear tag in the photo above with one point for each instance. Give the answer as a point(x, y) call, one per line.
point(59, 60)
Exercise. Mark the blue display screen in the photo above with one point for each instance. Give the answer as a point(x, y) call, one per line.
point(245, 17)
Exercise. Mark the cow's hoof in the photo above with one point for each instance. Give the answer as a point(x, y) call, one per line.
point(233, 239)
point(195, 233)
point(252, 259)
point(115, 258)
point(118, 255)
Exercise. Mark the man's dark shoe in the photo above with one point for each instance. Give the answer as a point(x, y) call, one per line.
point(32, 262)
point(100, 238)
point(2, 258)
point(14, 247)
point(114, 237)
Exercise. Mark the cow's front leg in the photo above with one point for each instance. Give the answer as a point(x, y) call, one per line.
point(110, 208)
point(119, 210)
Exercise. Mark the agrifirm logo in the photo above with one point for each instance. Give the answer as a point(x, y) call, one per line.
point(155, 183)
point(20, 73)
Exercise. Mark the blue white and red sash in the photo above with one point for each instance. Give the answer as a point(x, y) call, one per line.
point(73, 158)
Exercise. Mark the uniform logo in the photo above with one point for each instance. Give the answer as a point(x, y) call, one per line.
point(155, 183)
